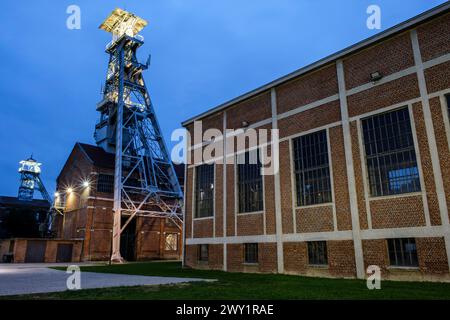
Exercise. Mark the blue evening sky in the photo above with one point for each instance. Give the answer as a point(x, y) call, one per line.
point(203, 53)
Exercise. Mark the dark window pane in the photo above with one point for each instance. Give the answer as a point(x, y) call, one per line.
point(317, 253)
point(447, 97)
point(311, 167)
point(251, 253)
point(403, 252)
point(203, 252)
point(390, 155)
point(249, 182)
point(204, 190)
point(105, 183)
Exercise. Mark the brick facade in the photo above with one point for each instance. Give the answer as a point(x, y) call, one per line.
point(88, 214)
point(336, 96)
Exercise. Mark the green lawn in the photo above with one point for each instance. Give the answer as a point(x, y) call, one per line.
point(246, 286)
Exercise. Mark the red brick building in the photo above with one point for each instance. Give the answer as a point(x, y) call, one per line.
point(85, 190)
point(364, 178)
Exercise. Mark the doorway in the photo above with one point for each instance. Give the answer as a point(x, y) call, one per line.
point(64, 252)
point(35, 252)
point(128, 240)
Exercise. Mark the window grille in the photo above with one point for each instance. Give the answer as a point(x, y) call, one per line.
point(403, 252)
point(105, 183)
point(251, 253)
point(311, 167)
point(390, 155)
point(249, 182)
point(204, 190)
point(317, 253)
point(203, 252)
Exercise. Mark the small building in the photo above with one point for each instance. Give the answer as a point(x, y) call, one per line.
point(22, 238)
point(364, 165)
point(85, 193)
point(20, 218)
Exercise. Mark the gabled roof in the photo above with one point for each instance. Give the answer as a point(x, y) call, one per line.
point(100, 158)
point(410, 23)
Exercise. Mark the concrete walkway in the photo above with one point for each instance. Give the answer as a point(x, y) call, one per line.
point(27, 279)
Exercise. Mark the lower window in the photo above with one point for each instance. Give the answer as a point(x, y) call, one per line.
point(203, 252)
point(403, 252)
point(317, 253)
point(251, 253)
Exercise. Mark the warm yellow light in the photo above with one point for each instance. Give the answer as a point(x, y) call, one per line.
point(85, 184)
point(56, 194)
point(69, 190)
point(122, 22)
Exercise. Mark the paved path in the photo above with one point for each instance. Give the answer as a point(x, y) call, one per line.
point(27, 279)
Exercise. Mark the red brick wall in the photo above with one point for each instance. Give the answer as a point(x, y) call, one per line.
point(215, 257)
point(285, 188)
point(250, 224)
point(230, 199)
point(315, 218)
point(387, 57)
point(397, 212)
point(100, 245)
point(267, 258)
point(235, 257)
point(432, 256)
point(438, 77)
point(341, 198)
point(19, 249)
point(219, 200)
point(247, 139)
point(310, 119)
point(307, 89)
point(430, 251)
point(433, 38)
point(214, 121)
point(191, 255)
point(203, 228)
point(295, 257)
point(341, 258)
point(442, 143)
point(269, 203)
point(76, 169)
point(252, 110)
point(383, 95)
point(359, 182)
point(375, 253)
point(428, 177)
point(188, 193)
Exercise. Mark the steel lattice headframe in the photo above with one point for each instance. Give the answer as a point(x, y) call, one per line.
point(145, 182)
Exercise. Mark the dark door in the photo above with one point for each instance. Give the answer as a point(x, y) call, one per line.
point(128, 240)
point(64, 252)
point(35, 251)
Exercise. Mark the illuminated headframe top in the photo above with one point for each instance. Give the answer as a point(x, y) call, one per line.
point(30, 166)
point(122, 22)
